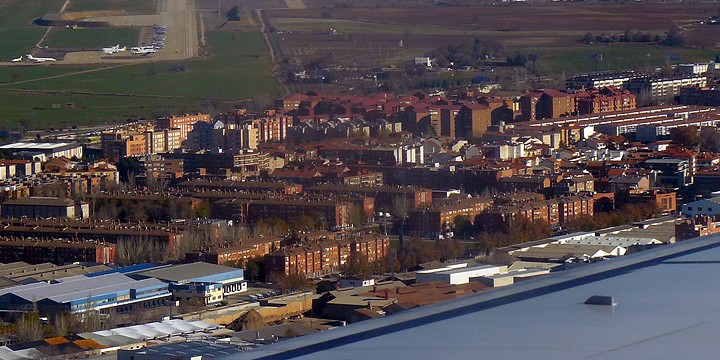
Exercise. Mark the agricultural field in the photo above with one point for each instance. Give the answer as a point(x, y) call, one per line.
point(129, 6)
point(92, 38)
point(369, 37)
point(17, 33)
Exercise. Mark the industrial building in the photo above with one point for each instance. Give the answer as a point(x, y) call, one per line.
point(640, 318)
point(230, 279)
point(457, 274)
point(110, 294)
point(44, 151)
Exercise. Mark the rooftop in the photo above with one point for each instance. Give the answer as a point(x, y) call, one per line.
point(187, 272)
point(665, 309)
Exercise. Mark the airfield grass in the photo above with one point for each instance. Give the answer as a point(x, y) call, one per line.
point(237, 68)
point(131, 6)
point(17, 33)
point(92, 38)
point(10, 74)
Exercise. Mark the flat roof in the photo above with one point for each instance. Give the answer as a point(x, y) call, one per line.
point(189, 271)
point(37, 146)
point(666, 308)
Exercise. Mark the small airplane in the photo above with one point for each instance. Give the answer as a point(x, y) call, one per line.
point(143, 50)
point(37, 59)
point(114, 49)
point(18, 59)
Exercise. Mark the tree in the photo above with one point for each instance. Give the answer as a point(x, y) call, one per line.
point(686, 136)
point(399, 211)
point(233, 14)
point(710, 139)
point(291, 283)
point(325, 286)
point(449, 249)
point(463, 227)
point(252, 269)
point(357, 216)
point(675, 37)
point(29, 327)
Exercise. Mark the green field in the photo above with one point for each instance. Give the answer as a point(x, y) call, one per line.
point(40, 111)
point(237, 68)
point(17, 33)
point(557, 61)
point(131, 6)
point(92, 38)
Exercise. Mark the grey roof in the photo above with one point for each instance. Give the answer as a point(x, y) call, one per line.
point(187, 271)
point(34, 146)
point(40, 201)
point(665, 309)
point(77, 287)
point(665, 161)
point(191, 348)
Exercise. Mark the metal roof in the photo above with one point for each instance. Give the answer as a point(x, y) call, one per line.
point(666, 308)
point(186, 272)
point(78, 287)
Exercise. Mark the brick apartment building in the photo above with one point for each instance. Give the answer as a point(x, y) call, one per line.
point(435, 219)
point(238, 254)
point(183, 122)
point(335, 213)
point(552, 104)
point(35, 251)
point(326, 257)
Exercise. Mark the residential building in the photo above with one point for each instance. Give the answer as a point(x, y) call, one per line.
point(56, 251)
point(663, 87)
point(183, 122)
point(45, 207)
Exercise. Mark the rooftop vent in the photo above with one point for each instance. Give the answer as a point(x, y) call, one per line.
point(601, 300)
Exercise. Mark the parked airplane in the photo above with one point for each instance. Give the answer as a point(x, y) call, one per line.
point(114, 49)
point(37, 59)
point(143, 50)
point(18, 59)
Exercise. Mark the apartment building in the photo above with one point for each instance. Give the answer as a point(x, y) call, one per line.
point(40, 250)
point(664, 87)
point(326, 257)
point(434, 220)
point(183, 122)
point(44, 207)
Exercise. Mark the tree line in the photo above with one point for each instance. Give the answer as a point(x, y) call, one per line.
point(673, 37)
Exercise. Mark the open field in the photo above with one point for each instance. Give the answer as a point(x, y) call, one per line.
point(92, 38)
point(130, 6)
point(17, 33)
point(236, 68)
point(569, 61)
point(371, 36)
point(61, 109)
point(526, 16)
